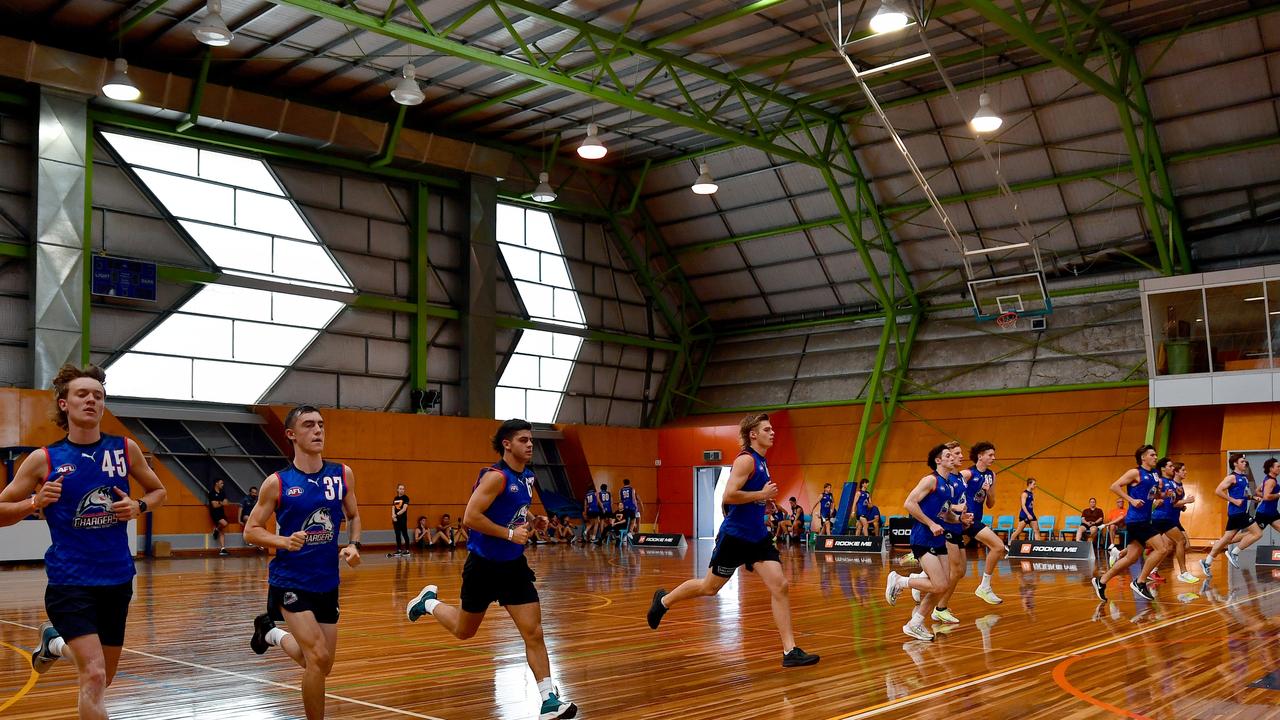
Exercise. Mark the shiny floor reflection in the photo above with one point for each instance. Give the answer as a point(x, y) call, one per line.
point(1049, 651)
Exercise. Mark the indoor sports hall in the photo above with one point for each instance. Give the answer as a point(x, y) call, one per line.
point(630, 359)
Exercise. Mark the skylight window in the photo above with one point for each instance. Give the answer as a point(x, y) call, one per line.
point(537, 373)
point(227, 343)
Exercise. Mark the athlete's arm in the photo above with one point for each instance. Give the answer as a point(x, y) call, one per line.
point(743, 466)
point(488, 490)
point(255, 530)
point(1221, 490)
point(1272, 495)
point(1118, 487)
point(1025, 509)
point(991, 492)
point(139, 470)
point(351, 508)
point(17, 501)
point(912, 503)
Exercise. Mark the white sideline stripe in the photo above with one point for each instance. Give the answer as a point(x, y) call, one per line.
point(260, 681)
point(1052, 659)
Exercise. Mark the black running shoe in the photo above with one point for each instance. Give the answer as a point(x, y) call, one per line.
point(1099, 588)
point(1141, 589)
point(657, 609)
point(261, 626)
point(798, 658)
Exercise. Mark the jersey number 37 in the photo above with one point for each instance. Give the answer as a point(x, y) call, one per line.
point(333, 488)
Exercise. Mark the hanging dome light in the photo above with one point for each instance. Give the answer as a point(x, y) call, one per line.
point(986, 119)
point(118, 85)
point(406, 90)
point(889, 18)
point(591, 147)
point(543, 193)
point(213, 29)
point(704, 185)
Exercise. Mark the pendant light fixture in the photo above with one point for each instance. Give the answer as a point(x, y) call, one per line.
point(891, 17)
point(543, 193)
point(213, 30)
point(118, 85)
point(704, 184)
point(406, 90)
point(986, 120)
point(591, 147)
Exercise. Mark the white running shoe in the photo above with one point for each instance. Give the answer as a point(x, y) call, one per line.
point(987, 595)
point(1187, 577)
point(1207, 567)
point(944, 616)
point(919, 632)
point(1233, 557)
point(892, 589)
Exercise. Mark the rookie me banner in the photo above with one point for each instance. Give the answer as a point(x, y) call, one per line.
point(1268, 555)
point(657, 540)
point(1050, 549)
point(848, 543)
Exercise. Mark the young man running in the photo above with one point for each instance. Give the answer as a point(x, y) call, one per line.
point(744, 541)
point(1267, 514)
point(824, 509)
point(1139, 488)
point(929, 503)
point(496, 569)
point(1234, 488)
point(309, 499)
point(1026, 512)
point(980, 481)
point(1164, 516)
point(82, 484)
point(953, 532)
point(630, 505)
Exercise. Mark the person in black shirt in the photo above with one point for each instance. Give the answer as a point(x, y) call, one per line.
point(218, 514)
point(400, 522)
point(246, 507)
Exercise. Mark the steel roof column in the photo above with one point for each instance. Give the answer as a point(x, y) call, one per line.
point(479, 314)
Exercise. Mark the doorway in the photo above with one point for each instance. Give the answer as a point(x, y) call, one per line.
point(708, 494)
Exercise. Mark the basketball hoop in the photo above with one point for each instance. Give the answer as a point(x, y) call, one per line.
point(1007, 320)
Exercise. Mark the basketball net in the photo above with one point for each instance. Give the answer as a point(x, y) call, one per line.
point(1007, 320)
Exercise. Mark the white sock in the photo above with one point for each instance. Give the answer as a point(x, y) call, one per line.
point(546, 687)
point(986, 581)
point(904, 582)
point(275, 635)
point(916, 618)
point(430, 605)
point(56, 646)
point(917, 575)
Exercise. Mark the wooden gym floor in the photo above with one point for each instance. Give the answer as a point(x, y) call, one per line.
point(1050, 651)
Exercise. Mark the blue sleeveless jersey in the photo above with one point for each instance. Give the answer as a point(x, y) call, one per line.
point(1239, 490)
point(592, 504)
point(1268, 507)
point(746, 522)
point(1145, 490)
point(1029, 510)
point(312, 503)
point(606, 503)
point(627, 496)
point(860, 506)
point(1168, 491)
point(509, 509)
point(975, 494)
point(825, 504)
point(933, 506)
point(90, 547)
point(955, 496)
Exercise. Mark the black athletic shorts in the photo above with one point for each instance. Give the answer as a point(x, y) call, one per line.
point(1265, 519)
point(629, 513)
point(79, 610)
point(1160, 527)
point(1179, 525)
point(1140, 532)
point(973, 530)
point(730, 552)
point(485, 582)
point(594, 515)
point(324, 605)
point(1239, 521)
point(921, 550)
point(955, 537)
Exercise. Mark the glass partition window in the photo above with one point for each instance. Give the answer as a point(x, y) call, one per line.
point(1238, 327)
point(537, 373)
point(1178, 332)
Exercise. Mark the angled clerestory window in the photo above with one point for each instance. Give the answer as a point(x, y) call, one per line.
point(227, 343)
point(537, 373)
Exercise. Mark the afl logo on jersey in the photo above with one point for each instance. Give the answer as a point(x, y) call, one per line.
point(294, 491)
point(94, 510)
point(319, 527)
point(65, 470)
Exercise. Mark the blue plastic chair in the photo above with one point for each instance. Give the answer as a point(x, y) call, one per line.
point(1047, 525)
point(986, 520)
point(1071, 524)
point(1004, 525)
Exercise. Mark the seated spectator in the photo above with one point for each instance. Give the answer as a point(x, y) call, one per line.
point(421, 533)
point(553, 528)
point(569, 529)
point(797, 527)
point(1090, 521)
point(538, 531)
point(617, 528)
point(780, 525)
point(460, 532)
point(1114, 524)
point(873, 520)
point(862, 512)
point(442, 534)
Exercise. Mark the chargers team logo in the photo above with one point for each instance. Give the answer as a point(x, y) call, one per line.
point(319, 527)
point(64, 470)
point(94, 510)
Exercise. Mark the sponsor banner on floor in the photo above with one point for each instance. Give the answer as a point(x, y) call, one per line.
point(849, 543)
point(1268, 555)
point(658, 540)
point(1057, 549)
point(900, 530)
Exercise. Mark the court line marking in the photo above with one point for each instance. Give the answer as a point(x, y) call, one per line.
point(31, 681)
point(1060, 677)
point(962, 684)
point(251, 678)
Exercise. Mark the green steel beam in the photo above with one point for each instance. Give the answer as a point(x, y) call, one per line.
point(419, 345)
point(197, 93)
point(603, 336)
point(393, 139)
point(889, 406)
point(853, 225)
point(1166, 428)
point(870, 208)
point(667, 389)
point(104, 116)
point(887, 337)
point(137, 18)
point(14, 250)
point(1153, 417)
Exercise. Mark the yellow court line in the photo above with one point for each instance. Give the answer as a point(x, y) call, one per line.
point(969, 682)
point(31, 681)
